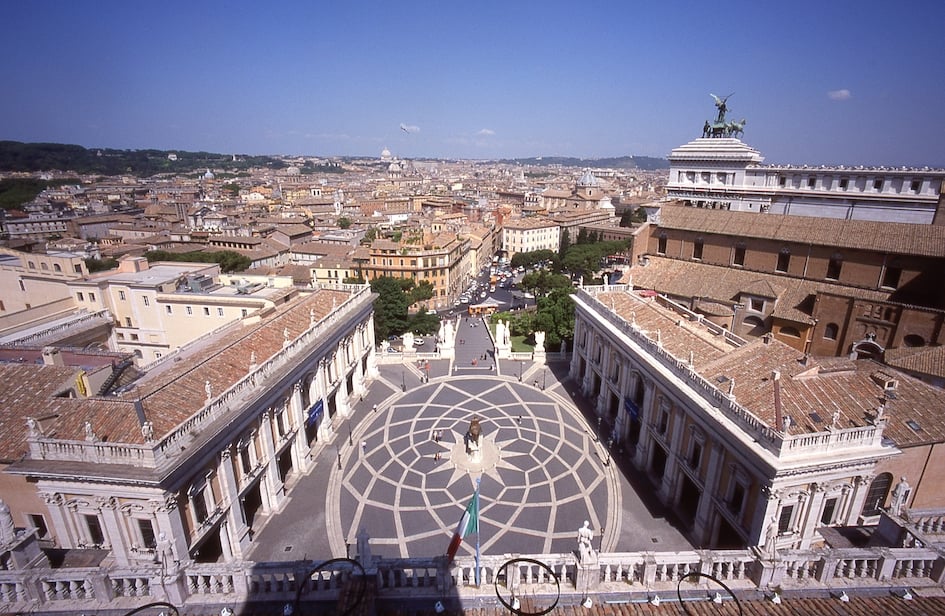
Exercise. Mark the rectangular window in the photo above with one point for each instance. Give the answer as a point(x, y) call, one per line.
point(94, 527)
point(737, 500)
point(785, 519)
point(830, 505)
point(38, 522)
point(127, 321)
point(758, 305)
point(782, 181)
point(661, 245)
point(120, 336)
point(663, 424)
point(91, 297)
point(219, 312)
point(739, 257)
point(695, 454)
point(200, 506)
point(844, 182)
point(833, 268)
point(121, 295)
point(916, 185)
point(80, 296)
point(146, 529)
point(784, 261)
point(891, 277)
point(206, 311)
point(146, 301)
point(697, 250)
point(244, 312)
point(168, 309)
point(190, 311)
point(811, 182)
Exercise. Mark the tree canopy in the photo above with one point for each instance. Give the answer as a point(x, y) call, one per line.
point(229, 261)
point(395, 295)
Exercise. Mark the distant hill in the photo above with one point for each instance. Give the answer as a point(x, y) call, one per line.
point(644, 163)
point(30, 157)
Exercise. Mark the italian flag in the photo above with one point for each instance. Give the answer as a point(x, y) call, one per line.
point(469, 523)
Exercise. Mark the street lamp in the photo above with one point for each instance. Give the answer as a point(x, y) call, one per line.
point(520, 368)
point(544, 378)
point(338, 450)
point(350, 442)
point(599, 420)
point(403, 381)
point(600, 546)
point(610, 443)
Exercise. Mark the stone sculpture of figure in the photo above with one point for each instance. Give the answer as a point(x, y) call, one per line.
point(539, 342)
point(89, 433)
point(508, 334)
point(252, 359)
point(285, 336)
point(474, 440)
point(899, 495)
point(707, 129)
point(721, 103)
point(448, 333)
point(311, 317)
point(32, 427)
point(208, 388)
point(147, 431)
point(7, 531)
point(564, 346)
point(585, 542)
point(771, 537)
point(835, 419)
point(408, 342)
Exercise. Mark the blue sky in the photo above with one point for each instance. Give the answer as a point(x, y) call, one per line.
point(832, 82)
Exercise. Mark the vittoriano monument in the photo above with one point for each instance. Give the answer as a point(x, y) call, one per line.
point(721, 128)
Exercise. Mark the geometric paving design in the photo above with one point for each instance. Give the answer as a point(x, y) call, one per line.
point(542, 473)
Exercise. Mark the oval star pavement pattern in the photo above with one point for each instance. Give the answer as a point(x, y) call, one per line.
point(542, 473)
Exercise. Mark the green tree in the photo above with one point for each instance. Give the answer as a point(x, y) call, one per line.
point(423, 322)
point(100, 265)
point(420, 292)
point(626, 219)
point(344, 222)
point(390, 307)
point(582, 236)
point(565, 243)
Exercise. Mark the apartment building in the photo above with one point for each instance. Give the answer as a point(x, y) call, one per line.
point(442, 260)
point(159, 308)
point(528, 234)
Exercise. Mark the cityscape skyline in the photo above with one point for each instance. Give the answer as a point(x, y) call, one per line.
point(853, 84)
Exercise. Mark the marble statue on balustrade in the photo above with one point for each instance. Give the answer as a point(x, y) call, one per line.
point(7, 529)
point(539, 342)
point(586, 552)
point(408, 342)
point(899, 496)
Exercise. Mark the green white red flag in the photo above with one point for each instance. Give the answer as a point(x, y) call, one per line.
point(468, 524)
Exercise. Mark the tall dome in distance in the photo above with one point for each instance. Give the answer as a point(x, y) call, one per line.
point(386, 156)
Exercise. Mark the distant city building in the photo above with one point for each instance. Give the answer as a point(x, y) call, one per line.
point(529, 234)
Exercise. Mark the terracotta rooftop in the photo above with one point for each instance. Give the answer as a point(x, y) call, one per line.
point(717, 283)
point(812, 389)
point(29, 390)
point(169, 394)
point(891, 237)
point(922, 360)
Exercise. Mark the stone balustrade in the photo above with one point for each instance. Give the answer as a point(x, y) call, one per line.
point(628, 575)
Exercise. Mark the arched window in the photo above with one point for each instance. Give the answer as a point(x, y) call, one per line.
point(913, 340)
point(43, 266)
point(56, 267)
point(755, 326)
point(831, 331)
point(876, 497)
point(661, 244)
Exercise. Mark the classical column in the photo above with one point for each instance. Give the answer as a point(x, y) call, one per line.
point(669, 482)
point(646, 417)
point(112, 528)
point(273, 481)
point(371, 346)
point(170, 524)
point(712, 476)
point(812, 514)
point(59, 526)
point(861, 487)
point(230, 487)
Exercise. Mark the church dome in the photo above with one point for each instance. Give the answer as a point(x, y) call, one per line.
point(588, 180)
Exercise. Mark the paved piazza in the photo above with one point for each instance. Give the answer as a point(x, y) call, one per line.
point(542, 472)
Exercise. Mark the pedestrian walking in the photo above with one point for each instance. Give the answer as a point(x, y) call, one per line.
point(363, 446)
point(375, 408)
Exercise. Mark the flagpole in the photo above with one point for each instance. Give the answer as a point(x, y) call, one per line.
point(478, 479)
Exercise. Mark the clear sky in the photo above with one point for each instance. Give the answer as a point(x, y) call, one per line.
point(827, 82)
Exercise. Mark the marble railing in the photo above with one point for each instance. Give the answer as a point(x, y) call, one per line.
point(84, 318)
point(781, 444)
point(630, 573)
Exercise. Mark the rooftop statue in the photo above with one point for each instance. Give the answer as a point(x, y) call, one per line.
point(721, 128)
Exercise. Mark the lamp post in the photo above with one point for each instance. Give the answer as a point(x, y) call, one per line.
point(599, 420)
point(521, 364)
point(338, 450)
point(600, 546)
point(403, 380)
point(544, 378)
point(610, 443)
point(350, 442)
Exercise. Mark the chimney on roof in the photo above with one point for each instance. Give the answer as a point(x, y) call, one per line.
point(767, 338)
point(52, 357)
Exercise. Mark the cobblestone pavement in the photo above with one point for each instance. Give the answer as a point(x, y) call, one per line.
point(543, 473)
